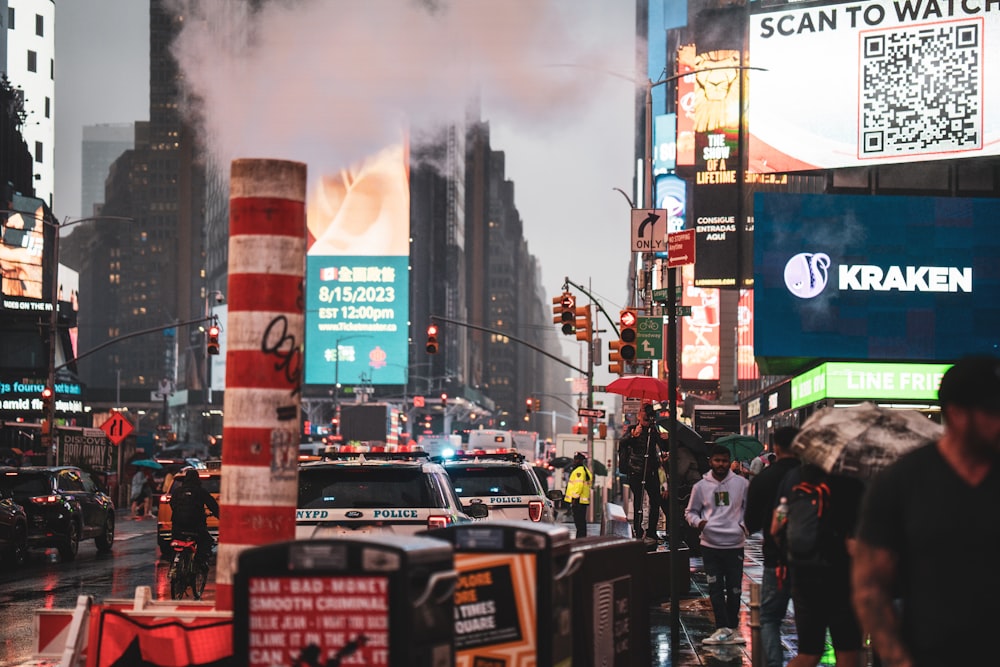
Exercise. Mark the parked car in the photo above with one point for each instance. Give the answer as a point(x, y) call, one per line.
point(211, 480)
point(63, 506)
point(352, 493)
point(13, 529)
point(503, 482)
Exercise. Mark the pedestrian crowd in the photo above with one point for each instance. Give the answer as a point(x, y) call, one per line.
point(865, 560)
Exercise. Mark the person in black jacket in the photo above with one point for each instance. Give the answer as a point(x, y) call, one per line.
point(775, 589)
point(188, 504)
point(639, 458)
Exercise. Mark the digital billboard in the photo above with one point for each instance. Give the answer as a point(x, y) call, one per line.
point(699, 339)
point(720, 224)
point(848, 84)
point(22, 250)
point(867, 381)
point(874, 278)
point(357, 273)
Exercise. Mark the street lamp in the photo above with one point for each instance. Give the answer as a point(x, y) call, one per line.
point(674, 514)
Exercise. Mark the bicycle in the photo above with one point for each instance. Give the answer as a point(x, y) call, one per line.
point(184, 573)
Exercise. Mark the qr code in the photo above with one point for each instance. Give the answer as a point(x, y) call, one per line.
point(921, 90)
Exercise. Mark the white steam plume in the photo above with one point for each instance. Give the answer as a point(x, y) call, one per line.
point(328, 82)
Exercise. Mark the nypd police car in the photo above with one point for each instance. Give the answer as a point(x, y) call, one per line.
point(353, 493)
point(503, 482)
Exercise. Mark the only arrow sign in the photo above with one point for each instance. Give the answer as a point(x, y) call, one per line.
point(649, 234)
point(651, 219)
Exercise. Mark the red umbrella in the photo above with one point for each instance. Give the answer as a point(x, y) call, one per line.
point(646, 387)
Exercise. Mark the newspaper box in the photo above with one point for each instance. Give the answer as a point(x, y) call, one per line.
point(513, 599)
point(371, 600)
point(611, 603)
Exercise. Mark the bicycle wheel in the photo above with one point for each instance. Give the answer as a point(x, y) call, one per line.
point(199, 578)
point(180, 575)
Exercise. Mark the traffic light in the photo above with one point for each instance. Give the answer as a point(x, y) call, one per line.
point(432, 339)
point(212, 342)
point(528, 405)
point(615, 362)
point(48, 395)
point(565, 312)
point(628, 335)
point(444, 400)
point(584, 328)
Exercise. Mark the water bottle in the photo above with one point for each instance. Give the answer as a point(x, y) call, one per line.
point(782, 511)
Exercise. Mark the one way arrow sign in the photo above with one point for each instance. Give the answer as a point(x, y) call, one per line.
point(649, 230)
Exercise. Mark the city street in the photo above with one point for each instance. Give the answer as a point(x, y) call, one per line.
point(45, 583)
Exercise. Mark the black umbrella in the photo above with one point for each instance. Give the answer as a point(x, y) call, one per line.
point(561, 461)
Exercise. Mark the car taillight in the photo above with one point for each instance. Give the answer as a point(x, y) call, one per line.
point(535, 510)
point(45, 500)
point(437, 522)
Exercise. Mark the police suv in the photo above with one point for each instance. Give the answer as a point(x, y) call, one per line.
point(359, 492)
point(503, 482)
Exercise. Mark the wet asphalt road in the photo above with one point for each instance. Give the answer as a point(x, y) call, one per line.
point(45, 582)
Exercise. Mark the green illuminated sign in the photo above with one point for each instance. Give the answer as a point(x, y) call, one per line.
point(877, 381)
point(809, 387)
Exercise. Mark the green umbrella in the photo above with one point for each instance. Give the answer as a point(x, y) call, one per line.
point(741, 447)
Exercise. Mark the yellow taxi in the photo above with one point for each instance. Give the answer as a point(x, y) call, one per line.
point(211, 478)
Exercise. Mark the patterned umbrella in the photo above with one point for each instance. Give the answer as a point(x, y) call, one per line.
point(861, 440)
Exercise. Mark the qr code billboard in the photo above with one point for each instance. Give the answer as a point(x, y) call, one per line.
point(920, 89)
point(843, 84)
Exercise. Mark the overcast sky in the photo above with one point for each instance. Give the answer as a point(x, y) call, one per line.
point(567, 131)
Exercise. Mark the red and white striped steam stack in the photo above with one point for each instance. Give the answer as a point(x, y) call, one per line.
point(264, 360)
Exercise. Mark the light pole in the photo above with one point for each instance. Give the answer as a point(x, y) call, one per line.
point(49, 404)
point(675, 511)
point(336, 377)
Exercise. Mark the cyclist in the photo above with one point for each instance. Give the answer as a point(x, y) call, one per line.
point(188, 504)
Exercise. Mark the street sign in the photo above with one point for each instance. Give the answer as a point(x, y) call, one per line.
point(650, 338)
point(117, 428)
point(590, 412)
point(649, 230)
point(680, 248)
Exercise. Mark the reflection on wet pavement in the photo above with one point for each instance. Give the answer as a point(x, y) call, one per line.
point(696, 621)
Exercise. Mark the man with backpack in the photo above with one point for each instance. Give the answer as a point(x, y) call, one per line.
point(820, 511)
point(188, 504)
point(716, 509)
point(775, 586)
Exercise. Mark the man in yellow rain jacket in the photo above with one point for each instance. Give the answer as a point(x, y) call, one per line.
point(578, 492)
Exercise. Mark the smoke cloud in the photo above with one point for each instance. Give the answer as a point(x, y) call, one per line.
point(328, 82)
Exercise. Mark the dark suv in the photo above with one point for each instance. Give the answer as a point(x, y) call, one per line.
point(13, 529)
point(63, 505)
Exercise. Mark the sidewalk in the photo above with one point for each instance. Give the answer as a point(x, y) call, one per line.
point(696, 621)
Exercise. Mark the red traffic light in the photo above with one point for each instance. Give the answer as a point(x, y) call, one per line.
point(212, 344)
point(47, 394)
point(432, 341)
point(627, 318)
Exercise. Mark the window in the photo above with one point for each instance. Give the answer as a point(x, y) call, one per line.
point(39, 25)
point(32, 61)
point(38, 151)
point(10, 18)
point(48, 107)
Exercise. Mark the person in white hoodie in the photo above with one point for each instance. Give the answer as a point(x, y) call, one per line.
point(716, 509)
